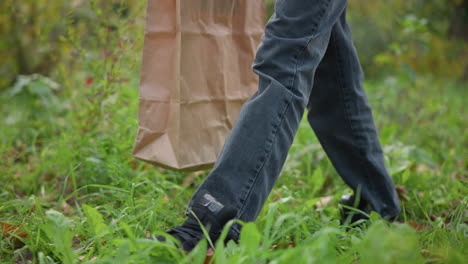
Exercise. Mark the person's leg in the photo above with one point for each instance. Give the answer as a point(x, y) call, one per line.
point(295, 40)
point(342, 120)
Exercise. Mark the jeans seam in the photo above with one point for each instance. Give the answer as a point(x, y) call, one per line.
point(347, 113)
point(307, 43)
point(268, 153)
point(253, 180)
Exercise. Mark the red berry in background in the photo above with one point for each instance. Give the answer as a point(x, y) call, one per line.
point(89, 80)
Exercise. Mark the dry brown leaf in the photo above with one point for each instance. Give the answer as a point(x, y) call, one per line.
point(402, 193)
point(418, 226)
point(134, 164)
point(427, 254)
point(402, 189)
point(284, 245)
point(9, 230)
point(323, 201)
point(209, 256)
point(14, 233)
point(66, 208)
point(81, 258)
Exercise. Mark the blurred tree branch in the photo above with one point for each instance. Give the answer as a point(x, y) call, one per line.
point(459, 22)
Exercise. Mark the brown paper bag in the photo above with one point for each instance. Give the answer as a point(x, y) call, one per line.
point(196, 74)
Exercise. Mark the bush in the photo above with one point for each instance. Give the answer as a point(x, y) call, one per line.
point(409, 37)
point(47, 37)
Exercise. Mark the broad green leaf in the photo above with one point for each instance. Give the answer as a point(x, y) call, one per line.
point(250, 237)
point(57, 229)
point(95, 221)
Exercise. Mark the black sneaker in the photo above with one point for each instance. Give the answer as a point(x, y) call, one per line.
point(211, 213)
point(349, 216)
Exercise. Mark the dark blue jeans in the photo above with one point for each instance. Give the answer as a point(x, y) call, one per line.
point(306, 60)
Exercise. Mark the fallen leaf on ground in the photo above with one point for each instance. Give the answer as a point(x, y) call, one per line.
point(417, 226)
point(209, 256)
point(13, 232)
point(427, 254)
point(284, 245)
point(9, 230)
point(323, 201)
point(402, 193)
point(66, 208)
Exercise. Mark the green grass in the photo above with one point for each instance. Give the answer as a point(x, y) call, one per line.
point(76, 191)
point(68, 180)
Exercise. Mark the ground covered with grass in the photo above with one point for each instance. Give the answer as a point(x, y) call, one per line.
point(70, 192)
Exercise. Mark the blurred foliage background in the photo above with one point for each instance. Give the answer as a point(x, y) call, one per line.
point(392, 36)
point(48, 37)
point(425, 37)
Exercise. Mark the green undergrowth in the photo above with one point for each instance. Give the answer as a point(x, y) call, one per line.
point(77, 195)
point(73, 193)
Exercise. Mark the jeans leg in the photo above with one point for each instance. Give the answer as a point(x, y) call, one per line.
point(295, 40)
point(342, 120)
